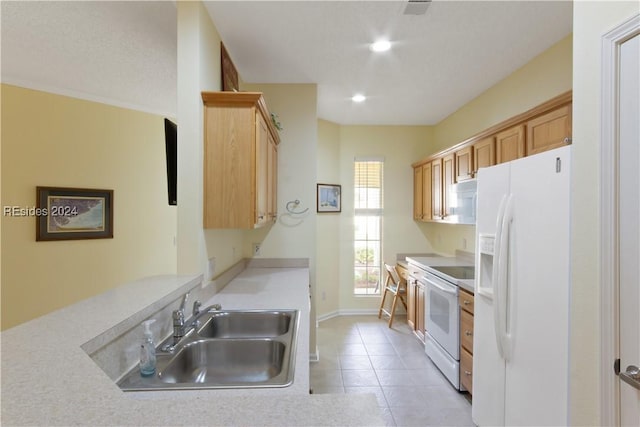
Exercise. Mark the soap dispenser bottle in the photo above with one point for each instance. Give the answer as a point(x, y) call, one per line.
point(147, 351)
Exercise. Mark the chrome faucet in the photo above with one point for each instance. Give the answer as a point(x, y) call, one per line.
point(178, 320)
point(196, 308)
point(181, 327)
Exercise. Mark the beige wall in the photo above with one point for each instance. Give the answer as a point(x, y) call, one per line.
point(542, 78)
point(198, 70)
point(53, 140)
point(338, 146)
point(328, 225)
point(591, 21)
point(292, 236)
point(545, 76)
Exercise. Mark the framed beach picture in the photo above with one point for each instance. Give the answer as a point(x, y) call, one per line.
point(73, 213)
point(329, 198)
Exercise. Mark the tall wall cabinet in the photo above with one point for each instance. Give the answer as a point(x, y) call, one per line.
point(240, 161)
point(542, 128)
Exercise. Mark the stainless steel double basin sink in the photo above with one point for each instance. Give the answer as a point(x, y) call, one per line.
point(226, 349)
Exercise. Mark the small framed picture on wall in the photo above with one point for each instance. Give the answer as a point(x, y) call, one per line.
point(329, 198)
point(73, 213)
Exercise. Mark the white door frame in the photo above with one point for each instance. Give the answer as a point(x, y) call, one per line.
point(609, 226)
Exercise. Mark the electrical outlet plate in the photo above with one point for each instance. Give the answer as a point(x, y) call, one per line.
point(256, 249)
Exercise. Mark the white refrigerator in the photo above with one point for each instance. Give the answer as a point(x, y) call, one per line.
point(521, 319)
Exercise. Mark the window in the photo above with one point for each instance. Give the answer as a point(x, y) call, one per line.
point(367, 239)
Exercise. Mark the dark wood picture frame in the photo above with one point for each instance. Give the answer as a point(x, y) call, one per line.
point(328, 198)
point(229, 72)
point(73, 213)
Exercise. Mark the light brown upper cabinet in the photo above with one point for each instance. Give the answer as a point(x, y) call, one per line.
point(418, 193)
point(473, 157)
point(541, 128)
point(427, 211)
point(464, 164)
point(484, 154)
point(551, 130)
point(240, 157)
point(422, 192)
point(436, 190)
point(510, 144)
point(448, 179)
point(262, 173)
point(272, 190)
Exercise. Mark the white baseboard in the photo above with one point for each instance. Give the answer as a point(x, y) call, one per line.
point(314, 357)
point(327, 316)
point(349, 312)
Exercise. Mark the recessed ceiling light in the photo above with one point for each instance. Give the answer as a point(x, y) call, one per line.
point(358, 98)
point(380, 46)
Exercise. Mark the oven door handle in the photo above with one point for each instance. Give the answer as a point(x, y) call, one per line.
point(443, 289)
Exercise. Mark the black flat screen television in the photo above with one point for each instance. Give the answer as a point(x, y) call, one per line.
point(171, 147)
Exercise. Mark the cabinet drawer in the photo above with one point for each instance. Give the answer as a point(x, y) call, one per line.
point(465, 299)
point(466, 370)
point(466, 331)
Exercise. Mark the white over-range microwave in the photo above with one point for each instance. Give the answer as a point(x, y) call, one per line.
point(462, 208)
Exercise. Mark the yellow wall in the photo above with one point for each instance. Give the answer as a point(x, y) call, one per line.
point(591, 21)
point(292, 236)
point(337, 147)
point(328, 225)
point(198, 70)
point(544, 77)
point(53, 140)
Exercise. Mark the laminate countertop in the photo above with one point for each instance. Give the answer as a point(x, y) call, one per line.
point(49, 379)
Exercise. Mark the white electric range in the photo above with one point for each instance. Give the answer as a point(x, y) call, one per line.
point(441, 278)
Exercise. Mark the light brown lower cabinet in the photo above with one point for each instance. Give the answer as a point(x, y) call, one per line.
point(411, 295)
point(415, 302)
point(466, 370)
point(465, 301)
point(420, 301)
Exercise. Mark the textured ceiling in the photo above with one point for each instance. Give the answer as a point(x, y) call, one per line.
point(439, 61)
point(124, 53)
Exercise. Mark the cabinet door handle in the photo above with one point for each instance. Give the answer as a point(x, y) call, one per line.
point(467, 373)
point(468, 333)
point(466, 302)
point(567, 140)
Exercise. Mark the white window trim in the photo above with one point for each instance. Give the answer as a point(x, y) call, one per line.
point(379, 212)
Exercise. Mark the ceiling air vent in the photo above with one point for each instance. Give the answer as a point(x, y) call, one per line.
point(416, 7)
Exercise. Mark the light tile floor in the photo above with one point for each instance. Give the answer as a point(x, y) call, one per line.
point(360, 354)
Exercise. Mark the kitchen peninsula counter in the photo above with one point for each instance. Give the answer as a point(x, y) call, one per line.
point(49, 379)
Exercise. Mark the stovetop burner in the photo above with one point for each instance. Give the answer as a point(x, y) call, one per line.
point(465, 273)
